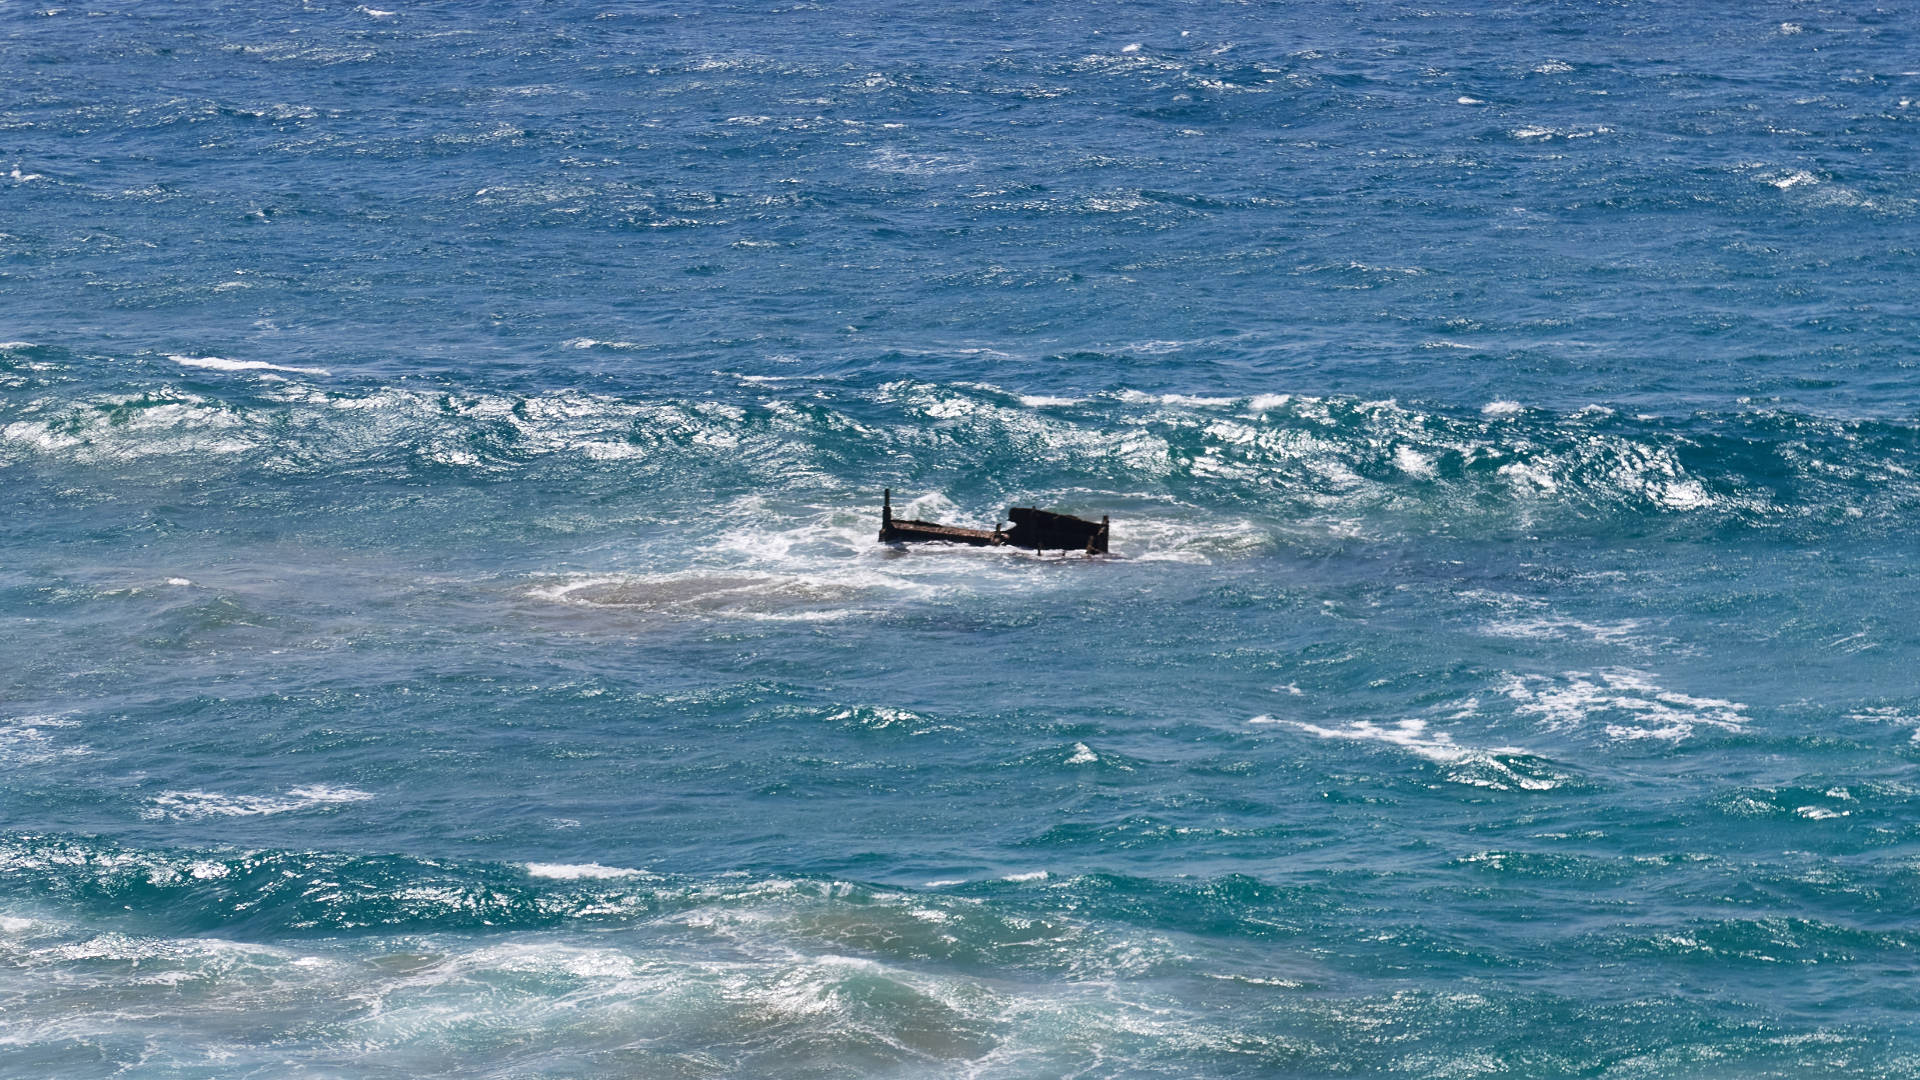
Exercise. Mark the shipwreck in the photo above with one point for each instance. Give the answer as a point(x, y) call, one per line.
point(1032, 529)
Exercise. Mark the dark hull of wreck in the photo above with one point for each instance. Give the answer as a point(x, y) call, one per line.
point(1033, 529)
point(899, 531)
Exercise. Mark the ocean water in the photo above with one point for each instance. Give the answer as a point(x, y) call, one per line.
point(442, 632)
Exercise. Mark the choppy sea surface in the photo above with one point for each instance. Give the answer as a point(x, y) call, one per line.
point(442, 631)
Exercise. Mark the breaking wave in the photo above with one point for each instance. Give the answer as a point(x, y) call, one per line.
point(1283, 461)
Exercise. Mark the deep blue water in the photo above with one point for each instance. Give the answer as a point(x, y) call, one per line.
point(442, 631)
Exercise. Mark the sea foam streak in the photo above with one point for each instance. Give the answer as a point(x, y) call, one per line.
point(221, 363)
point(181, 805)
point(1631, 704)
point(582, 872)
point(1503, 768)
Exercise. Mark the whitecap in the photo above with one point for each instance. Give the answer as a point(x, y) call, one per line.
point(1680, 495)
point(1535, 477)
point(1502, 408)
point(899, 161)
point(595, 343)
point(27, 740)
point(1502, 768)
point(221, 363)
point(582, 871)
point(1411, 735)
point(1638, 707)
point(1530, 619)
point(1412, 462)
point(1886, 714)
point(185, 805)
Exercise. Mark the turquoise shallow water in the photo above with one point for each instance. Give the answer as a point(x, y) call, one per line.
point(444, 634)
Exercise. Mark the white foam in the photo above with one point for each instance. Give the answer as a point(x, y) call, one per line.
point(582, 872)
point(178, 581)
point(1680, 495)
point(1527, 618)
point(26, 740)
point(1042, 401)
point(1553, 67)
point(183, 805)
point(1412, 462)
point(890, 160)
point(885, 717)
point(1037, 875)
point(753, 961)
point(1189, 400)
point(821, 595)
point(1474, 766)
point(1153, 539)
point(375, 13)
point(595, 343)
point(1644, 708)
point(1465, 100)
point(1501, 408)
point(1885, 714)
point(1529, 476)
point(1083, 755)
point(1267, 402)
point(10, 345)
point(221, 363)
point(1410, 735)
